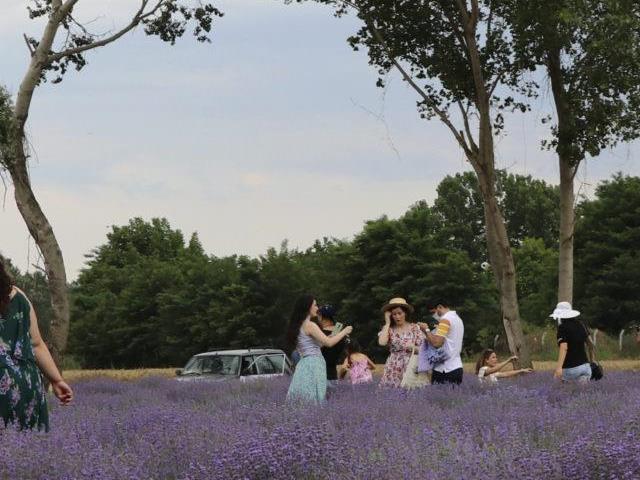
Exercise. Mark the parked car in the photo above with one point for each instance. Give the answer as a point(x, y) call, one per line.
point(245, 364)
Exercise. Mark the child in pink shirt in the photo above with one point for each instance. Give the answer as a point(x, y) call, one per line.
point(358, 365)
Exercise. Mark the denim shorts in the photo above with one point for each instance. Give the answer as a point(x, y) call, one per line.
point(581, 373)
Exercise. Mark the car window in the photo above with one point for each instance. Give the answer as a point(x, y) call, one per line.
point(270, 364)
point(194, 365)
point(220, 364)
point(248, 365)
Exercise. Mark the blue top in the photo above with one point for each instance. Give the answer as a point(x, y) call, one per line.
point(307, 345)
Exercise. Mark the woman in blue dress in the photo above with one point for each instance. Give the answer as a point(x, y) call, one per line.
point(23, 354)
point(309, 382)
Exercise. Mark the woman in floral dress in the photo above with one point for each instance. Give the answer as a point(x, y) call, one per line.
point(22, 397)
point(401, 335)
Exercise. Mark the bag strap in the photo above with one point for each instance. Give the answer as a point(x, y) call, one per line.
point(591, 351)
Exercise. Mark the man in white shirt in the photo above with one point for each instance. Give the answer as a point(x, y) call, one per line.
point(448, 334)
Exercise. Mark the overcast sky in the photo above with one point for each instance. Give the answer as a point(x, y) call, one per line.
point(274, 131)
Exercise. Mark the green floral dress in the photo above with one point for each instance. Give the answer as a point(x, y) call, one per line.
point(22, 397)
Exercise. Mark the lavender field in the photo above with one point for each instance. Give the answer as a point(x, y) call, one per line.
point(158, 428)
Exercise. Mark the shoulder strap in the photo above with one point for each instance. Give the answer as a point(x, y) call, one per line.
point(591, 351)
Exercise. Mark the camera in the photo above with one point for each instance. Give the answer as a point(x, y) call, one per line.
point(432, 322)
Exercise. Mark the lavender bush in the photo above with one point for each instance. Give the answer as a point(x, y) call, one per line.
point(155, 428)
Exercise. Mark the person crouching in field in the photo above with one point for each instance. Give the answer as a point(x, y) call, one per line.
point(402, 336)
point(309, 382)
point(357, 365)
point(23, 400)
point(488, 369)
point(573, 363)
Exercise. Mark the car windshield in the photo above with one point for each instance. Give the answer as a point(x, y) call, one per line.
point(213, 364)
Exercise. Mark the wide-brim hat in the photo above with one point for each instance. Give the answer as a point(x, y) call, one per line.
point(397, 302)
point(564, 310)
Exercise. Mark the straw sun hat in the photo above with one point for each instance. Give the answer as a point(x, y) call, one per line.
point(397, 302)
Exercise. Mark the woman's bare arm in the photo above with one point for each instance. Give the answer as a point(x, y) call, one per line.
point(314, 331)
point(45, 361)
point(562, 354)
point(513, 373)
point(499, 367)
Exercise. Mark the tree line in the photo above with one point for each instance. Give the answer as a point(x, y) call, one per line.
point(469, 62)
point(151, 297)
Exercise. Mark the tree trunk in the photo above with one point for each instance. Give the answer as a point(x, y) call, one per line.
point(569, 158)
point(41, 231)
point(483, 162)
point(503, 267)
point(567, 222)
point(35, 219)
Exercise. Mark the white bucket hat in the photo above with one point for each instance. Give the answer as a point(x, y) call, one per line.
point(564, 310)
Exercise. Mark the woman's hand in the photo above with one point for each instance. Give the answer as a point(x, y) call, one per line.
point(348, 330)
point(387, 318)
point(514, 358)
point(63, 391)
point(526, 370)
point(557, 373)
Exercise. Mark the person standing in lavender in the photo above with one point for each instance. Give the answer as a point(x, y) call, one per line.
point(573, 363)
point(402, 336)
point(332, 355)
point(309, 382)
point(23, 400)
point(448, 334)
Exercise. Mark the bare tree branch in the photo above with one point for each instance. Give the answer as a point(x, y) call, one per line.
point(495, 83)
point(135, 21)
point(66, 8)
point(405, 75)
point(475, 14)
point(29, 46)
point(465, 118)
point(464, 13)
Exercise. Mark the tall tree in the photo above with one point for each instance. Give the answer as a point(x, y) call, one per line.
point(590, 50)
point(64, 42)
point(457, 57)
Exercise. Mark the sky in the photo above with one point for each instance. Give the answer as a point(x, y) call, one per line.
point(274, 131)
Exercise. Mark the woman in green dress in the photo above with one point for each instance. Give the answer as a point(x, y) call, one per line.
point(22, 397)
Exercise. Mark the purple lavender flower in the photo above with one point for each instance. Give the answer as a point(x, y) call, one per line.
point(529, 428)
point(5, 383)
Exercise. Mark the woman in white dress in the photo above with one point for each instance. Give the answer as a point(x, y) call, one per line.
point(489, 370)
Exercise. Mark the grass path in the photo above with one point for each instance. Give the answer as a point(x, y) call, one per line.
point(76, 375)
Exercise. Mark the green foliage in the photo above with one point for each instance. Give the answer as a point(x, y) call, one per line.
point(530, 209)
point(148, 298)
point(590, 51)
point(6, 126)
point(168, 20)
point(428, 39)
point(607, 260)
point(537, 279)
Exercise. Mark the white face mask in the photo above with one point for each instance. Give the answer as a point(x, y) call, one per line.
point(436, 316)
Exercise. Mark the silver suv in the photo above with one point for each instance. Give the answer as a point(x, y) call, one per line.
point(246, 364)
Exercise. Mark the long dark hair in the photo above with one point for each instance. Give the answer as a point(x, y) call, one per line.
point(483, 358)
point(352, 347)
point(5, 287)
point(298, 315)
